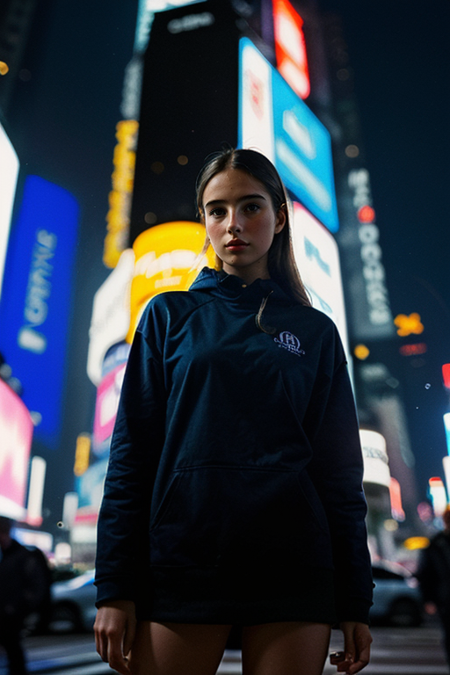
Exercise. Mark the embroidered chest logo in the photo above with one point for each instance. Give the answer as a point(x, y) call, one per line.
point(290, 342)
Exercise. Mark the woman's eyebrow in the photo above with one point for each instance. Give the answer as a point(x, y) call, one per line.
point(241, 199)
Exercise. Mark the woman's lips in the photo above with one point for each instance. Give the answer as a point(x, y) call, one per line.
point(236, 245)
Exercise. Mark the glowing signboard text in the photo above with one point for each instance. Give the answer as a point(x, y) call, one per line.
point(371, 254)
point(118, 216)
point(38, 292)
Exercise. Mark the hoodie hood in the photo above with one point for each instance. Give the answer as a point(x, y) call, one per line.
point(228, 286)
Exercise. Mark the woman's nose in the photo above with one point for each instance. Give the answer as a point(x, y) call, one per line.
point(233, 222)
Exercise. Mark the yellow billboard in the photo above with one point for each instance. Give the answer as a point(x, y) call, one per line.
point(166, 259)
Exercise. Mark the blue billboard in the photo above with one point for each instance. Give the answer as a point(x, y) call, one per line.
point(36, 300)
point(274, 120)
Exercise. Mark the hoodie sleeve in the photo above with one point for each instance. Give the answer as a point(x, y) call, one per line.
point(337, 470)
point(135, 450)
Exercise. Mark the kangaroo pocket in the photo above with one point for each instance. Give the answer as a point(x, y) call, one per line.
point(218, 516)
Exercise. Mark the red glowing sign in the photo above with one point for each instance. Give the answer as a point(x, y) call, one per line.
point(413, 350)
point(446, 375)
point(366, 214)
point(395, 494)
point(290, 48)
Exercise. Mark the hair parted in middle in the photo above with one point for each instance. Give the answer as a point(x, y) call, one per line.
point(281, 260)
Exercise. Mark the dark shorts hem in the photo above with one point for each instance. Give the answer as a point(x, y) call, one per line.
point(213, 596)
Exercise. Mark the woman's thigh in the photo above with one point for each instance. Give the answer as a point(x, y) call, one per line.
point(177, 649)
point(285, 648)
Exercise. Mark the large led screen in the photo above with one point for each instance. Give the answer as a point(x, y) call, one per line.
point(9, 169)
point(36, 301)
point(275, 121)
point(16, 433)
point(317, 257)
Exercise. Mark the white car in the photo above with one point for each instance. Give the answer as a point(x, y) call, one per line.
point(397, 600)
point(73, 604)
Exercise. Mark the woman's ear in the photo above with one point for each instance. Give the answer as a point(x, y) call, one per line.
point(281, 219)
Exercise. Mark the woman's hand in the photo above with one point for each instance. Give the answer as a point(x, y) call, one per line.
point(115, 628)
point(357, 641)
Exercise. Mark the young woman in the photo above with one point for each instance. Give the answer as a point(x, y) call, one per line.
point(233, 494)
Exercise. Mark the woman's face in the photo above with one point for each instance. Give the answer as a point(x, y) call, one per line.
point(241, 223)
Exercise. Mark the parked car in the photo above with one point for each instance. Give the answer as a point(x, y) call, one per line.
point(396, 598)
point(73, 604)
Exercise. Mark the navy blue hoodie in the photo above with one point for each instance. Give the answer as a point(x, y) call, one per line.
point(234, 444)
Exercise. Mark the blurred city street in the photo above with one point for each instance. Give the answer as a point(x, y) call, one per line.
point(396, 651)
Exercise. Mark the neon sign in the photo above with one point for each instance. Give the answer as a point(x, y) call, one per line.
point(290, 48)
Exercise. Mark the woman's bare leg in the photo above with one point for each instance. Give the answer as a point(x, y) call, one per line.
point(177, 649)
point(285, 648)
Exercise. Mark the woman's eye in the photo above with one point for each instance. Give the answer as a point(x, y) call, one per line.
point(217, 212)
point(252, 207)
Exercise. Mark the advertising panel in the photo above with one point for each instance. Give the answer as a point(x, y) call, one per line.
point(119, 199)
point(376, 462)
point(89, 482)
point(359, 239)
point(108, 394)
point(146, 13)
point(372, 300)
point(317, 258)
point(36, 301)
point(166, 260)
point(16, 433)
point(447, 430)
point(301, 144)
point(110, 315)
point(9, 169)
point(290, 48)
point(89, 487)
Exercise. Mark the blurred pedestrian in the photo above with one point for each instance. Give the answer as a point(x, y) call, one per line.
point(24, 589)
point(434, 577)
point(234, 489)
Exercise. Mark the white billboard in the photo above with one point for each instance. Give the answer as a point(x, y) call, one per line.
point(9, 170)
point(375, 457)
point(317, 258)
point(110, 314)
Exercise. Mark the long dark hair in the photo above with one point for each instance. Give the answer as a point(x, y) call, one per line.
point(281, 261)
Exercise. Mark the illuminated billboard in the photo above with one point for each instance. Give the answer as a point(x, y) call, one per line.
point(9, 169)
point(290, 48)
point(16, 433)
point(166, 260)
point(275, 121)
point(317, 257)
point(110, 314)
point(36, 302)
point(375, 457)
point(146, 12)
point(364, 270)
point(108, 394)
point(89, 480)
